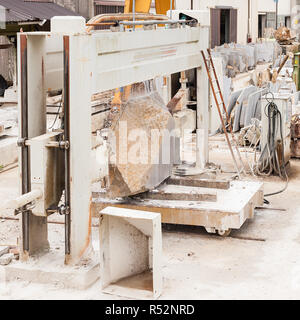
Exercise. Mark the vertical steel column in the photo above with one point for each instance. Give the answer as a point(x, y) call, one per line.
point(202, 146)
point(32, 115)
point(24, 135)
point(67, 138)
point(78, 75)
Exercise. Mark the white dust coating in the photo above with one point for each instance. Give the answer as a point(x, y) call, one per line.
point(2, 17)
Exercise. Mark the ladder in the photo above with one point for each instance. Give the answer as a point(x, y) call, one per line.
point(217, 92)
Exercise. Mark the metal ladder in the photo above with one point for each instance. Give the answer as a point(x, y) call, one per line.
point(213, 79)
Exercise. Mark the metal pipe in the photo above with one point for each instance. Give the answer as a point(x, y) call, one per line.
point(113, 23)
point(61, 223)
point(171, 9)
point(249, 21)
point(276, 14)
point(144, 23)
point(133, 13)
point(119, 17)
point(24, 200)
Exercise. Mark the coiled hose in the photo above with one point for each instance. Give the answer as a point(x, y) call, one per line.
point(269, 161)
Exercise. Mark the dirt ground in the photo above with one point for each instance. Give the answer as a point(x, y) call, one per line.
point(197, 265)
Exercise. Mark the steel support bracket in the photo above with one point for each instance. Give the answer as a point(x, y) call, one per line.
point(22, 142)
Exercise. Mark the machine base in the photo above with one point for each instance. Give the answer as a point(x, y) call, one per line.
point(234, 206)
point(49, 269)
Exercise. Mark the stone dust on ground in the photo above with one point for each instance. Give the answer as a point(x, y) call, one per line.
point(197, 265)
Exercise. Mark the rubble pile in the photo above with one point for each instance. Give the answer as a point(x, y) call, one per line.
point(283, 36)
point(8, 254)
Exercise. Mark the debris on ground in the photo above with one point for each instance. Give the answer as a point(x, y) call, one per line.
point(295, 136)
point(6, 259)
point(250, 135)
point(16, 252)
point(3, 250)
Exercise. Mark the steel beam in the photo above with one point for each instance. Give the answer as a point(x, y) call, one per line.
point(77, 125)
point(32, 115)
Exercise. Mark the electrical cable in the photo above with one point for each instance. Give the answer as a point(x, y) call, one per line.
point(57, 115)
point(269, 161)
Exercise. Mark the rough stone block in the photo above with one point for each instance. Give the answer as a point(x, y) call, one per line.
point(142, 146)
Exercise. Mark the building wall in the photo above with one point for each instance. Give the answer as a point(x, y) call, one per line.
point(83, 7)
point(268, 7)
point(284, 7)
point(295, 13)
point(240, 5)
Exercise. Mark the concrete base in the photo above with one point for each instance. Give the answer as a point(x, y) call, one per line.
point(8, 151)
point(50, 269)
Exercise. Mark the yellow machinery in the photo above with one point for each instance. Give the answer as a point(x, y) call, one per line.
point(143, 6)
point(140, 6)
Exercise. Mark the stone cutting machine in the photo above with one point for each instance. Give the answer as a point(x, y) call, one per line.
point(55, 167)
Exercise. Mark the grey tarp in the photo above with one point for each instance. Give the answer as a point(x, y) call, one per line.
point(253, 106)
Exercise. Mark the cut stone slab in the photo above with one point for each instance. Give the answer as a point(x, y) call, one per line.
point(200, 183)
point(232, 209)
point(3, 250)
point(6, 259)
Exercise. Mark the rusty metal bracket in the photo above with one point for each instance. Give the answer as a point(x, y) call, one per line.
point(62, 210)
point(25, 209)
point(62, 145)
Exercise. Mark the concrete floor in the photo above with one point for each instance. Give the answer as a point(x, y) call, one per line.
point(197, 265)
